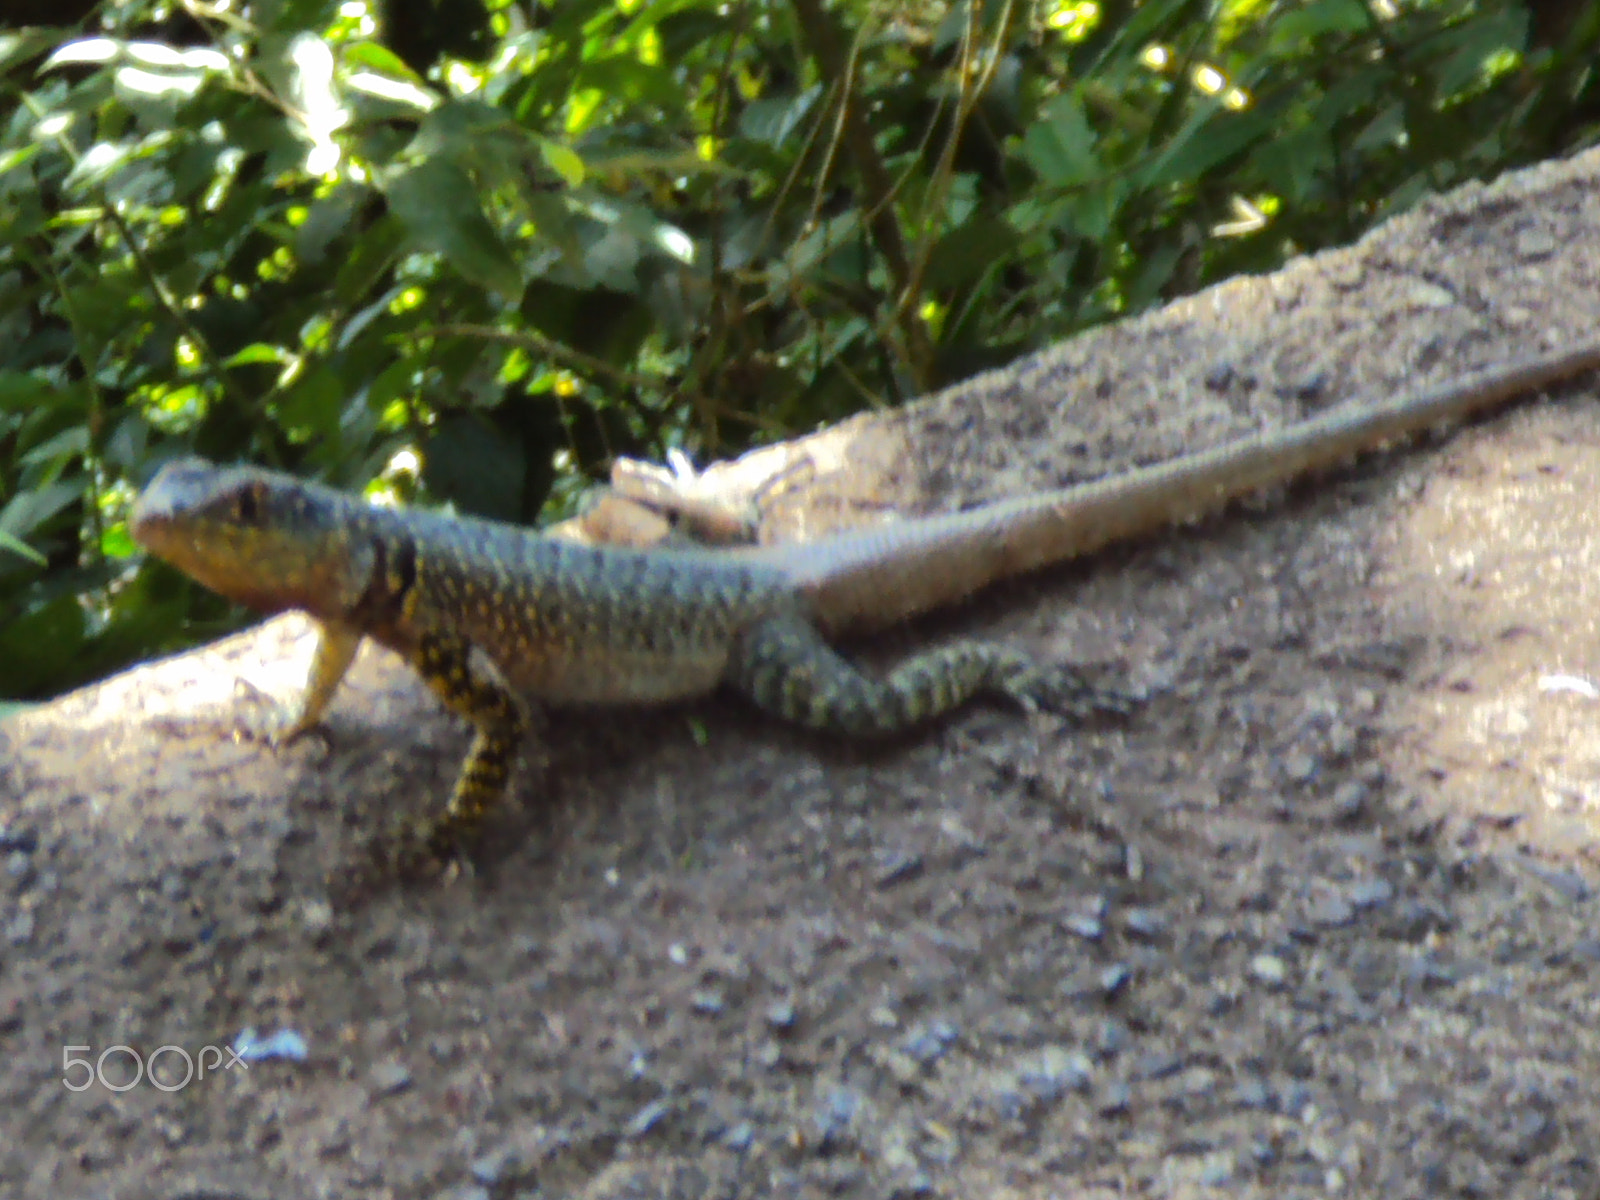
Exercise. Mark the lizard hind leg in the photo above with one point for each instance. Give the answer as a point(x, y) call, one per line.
point(445, 664)
point(788, 669)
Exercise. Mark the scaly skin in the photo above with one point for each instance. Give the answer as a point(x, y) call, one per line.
point(564, 623)
point(569, 624)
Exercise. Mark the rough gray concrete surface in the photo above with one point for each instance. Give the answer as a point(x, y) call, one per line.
point(1319, 920)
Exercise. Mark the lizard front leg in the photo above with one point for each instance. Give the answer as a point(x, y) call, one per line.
point(788, 669)
point(445, 665)
point(330, 661)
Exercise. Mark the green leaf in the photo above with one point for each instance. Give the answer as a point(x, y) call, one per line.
point(438, 206)
point(21, 45)
point(1297, 24)
point(1480, 44)
point(20, 391)
point(1296, 164)
point(257, 352)
point(773, 119)
point(27, 511)
point(380, 58)
point(1210, 137)
point(327, 224)
point(117, 542)
point(563, 160)
point(463, 128)
point(1060, 146)
point(64, 446)
point(21, 548)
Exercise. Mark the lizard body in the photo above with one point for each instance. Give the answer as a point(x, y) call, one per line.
point(571, 624)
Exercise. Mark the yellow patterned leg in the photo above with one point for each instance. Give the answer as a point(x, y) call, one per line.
point(787, 668)
point(445, 664)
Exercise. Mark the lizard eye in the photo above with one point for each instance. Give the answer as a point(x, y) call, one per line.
point(245, 505)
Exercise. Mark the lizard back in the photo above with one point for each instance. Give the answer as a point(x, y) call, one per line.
point(577, 624)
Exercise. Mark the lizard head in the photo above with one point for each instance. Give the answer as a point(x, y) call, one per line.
point(258, 537)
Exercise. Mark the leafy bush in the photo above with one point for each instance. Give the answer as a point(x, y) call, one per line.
point(509, 240)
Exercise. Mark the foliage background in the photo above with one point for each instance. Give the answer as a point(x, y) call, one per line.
point(467, 250)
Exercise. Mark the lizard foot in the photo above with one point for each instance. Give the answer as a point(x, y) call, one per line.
point(275, 724)
point(407, 853)
point(420, 850)
point(1070, 691)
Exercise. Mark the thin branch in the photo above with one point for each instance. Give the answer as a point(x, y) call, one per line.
point(877, 182)
point(537, 343)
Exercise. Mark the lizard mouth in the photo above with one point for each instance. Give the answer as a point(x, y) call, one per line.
point(213, 523)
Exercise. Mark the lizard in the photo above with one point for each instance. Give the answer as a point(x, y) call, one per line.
point(565, 623)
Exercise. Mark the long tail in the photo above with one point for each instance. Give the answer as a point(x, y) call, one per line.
point(877, 576)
